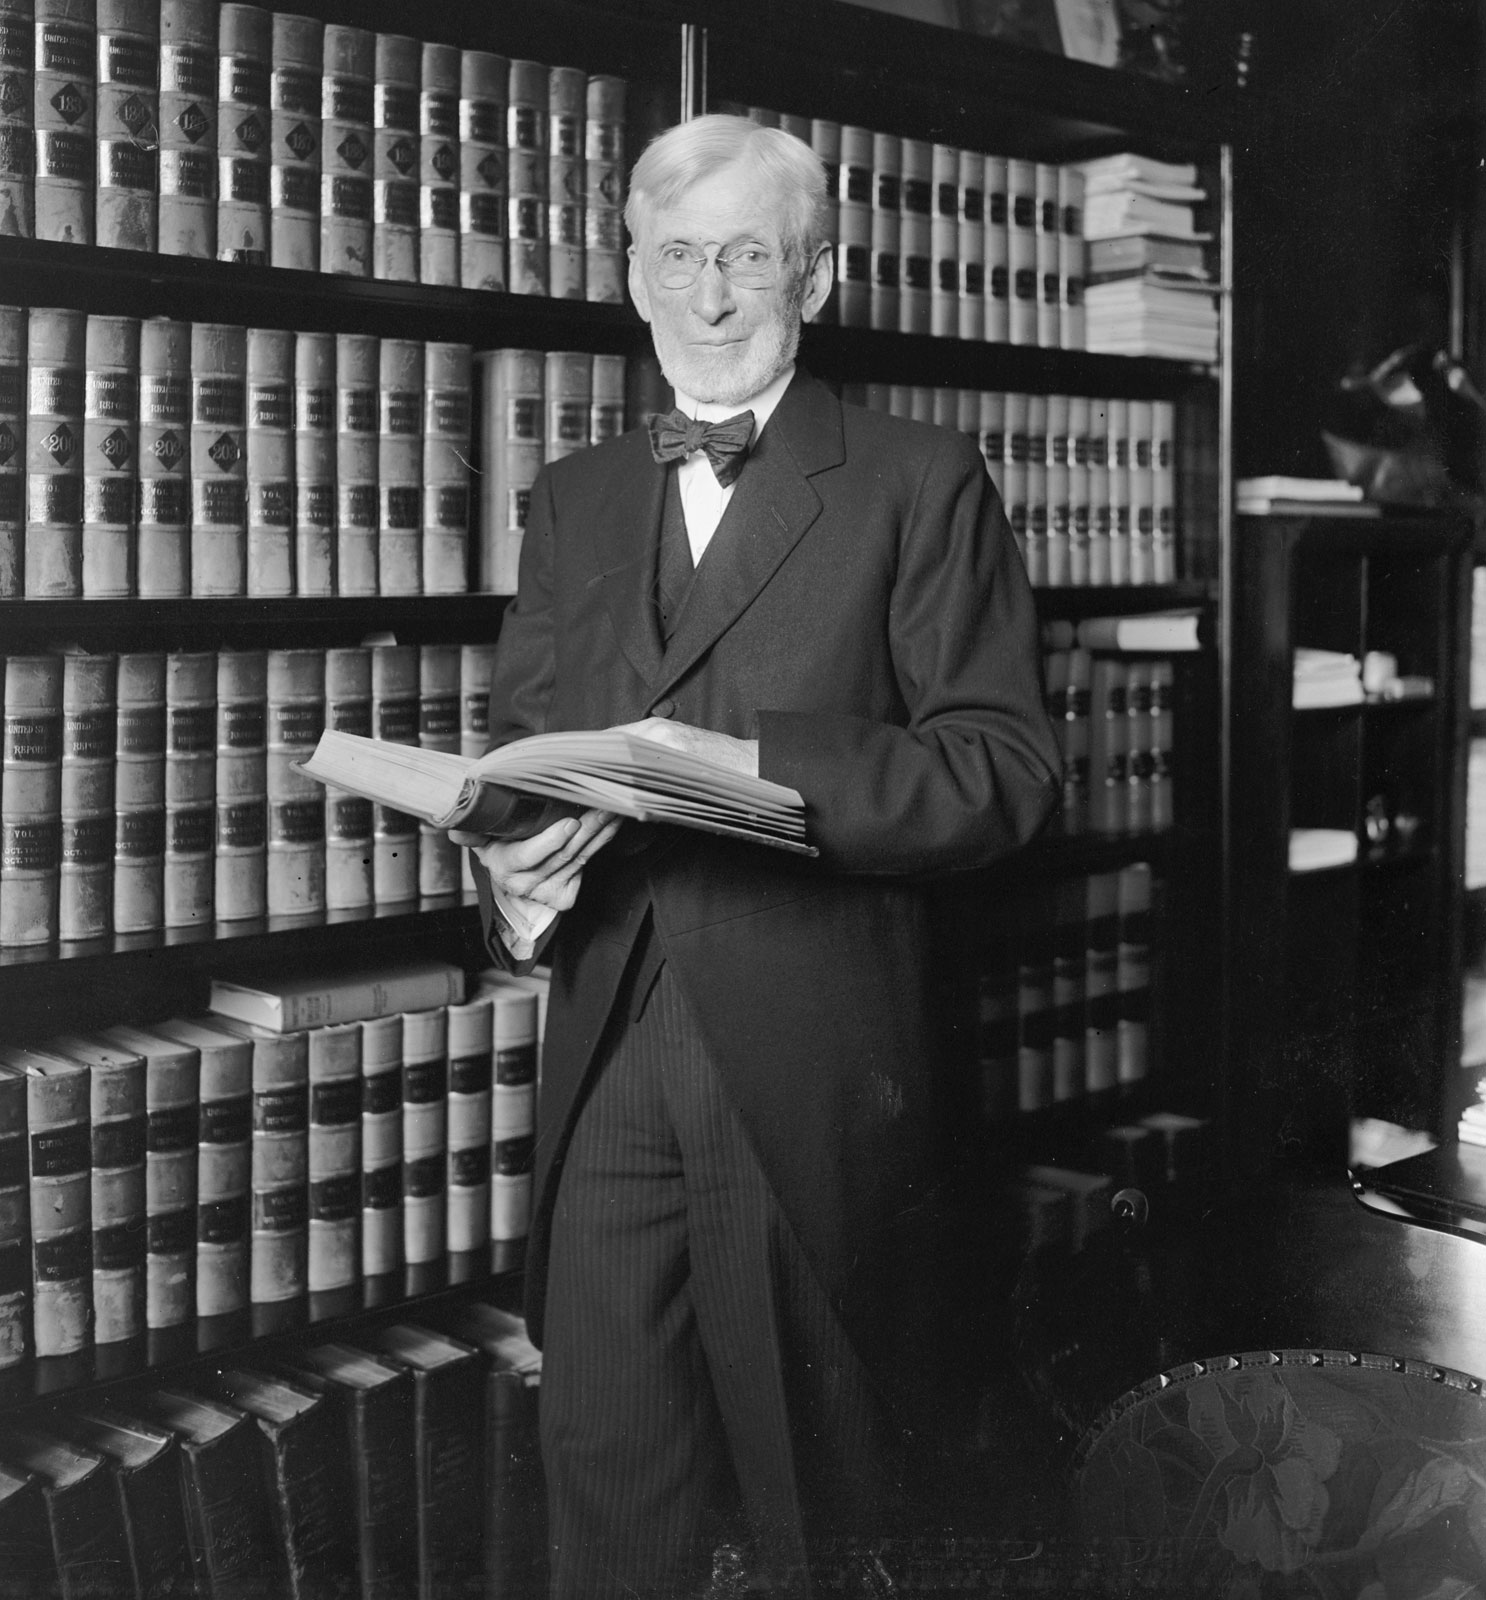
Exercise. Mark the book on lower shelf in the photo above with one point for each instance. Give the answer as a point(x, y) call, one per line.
point(1317, 849)
point(608, 768)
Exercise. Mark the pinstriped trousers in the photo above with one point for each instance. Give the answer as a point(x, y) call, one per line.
point(695, 1379)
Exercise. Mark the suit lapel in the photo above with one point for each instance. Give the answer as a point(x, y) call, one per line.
point(625, 528)
point(771, 509)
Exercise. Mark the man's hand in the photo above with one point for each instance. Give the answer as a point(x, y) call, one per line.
point(739, 754)
point(547, 868)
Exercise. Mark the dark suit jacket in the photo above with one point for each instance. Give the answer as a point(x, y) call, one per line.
point(862, 612)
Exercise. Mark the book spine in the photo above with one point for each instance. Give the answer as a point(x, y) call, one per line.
point(438, 166)
point(12, 412)
point(1048, 232)
point(223, 1177)
point(448, 1426)
point(483, 80)
point(400, 468)
point(1120, 463)
point(606, 412)
point(348, 818)
point(58, 1120)
point(381, 1145)
point(241, 873)
point(357, 383)
point(1080, 491)
point(476, 662)
point(885, 297)
point(30, 800)
point(110, 456)
point(995, 180)
point(219, 363)
point(395, 159)
point(279, 1267)
point(467, 1176)
point(244, 132)
point(1068, 990)
point(446, 473)
point(512, 450)
point(438, 729)
point(118, 1198)
point(1072, 268)
point(65, 86)
point(310, 1479)
point(567, 98)
point(1138, 761)
point(314, 464)
point(89, 717)
point(188, 129)
point(15, 1225)
point(334, 1156)
point(1142, 494)
point(128, 115)
point(55, 357)
point(154, 1522)
point(916, 268)
point(1021, 250)
point(346, 99)
point(1163, 694)
point(944, 236)
point(172, 1090)
point(394, 677)
point(1163, 470)
point(294, 147)
point(526, 179)
point(514, 1043)
point(163, 537)
point(190, 786)
point(139, 794)
point(970, 244)
point(1035, 548)
point(1099, 504)
point(17, 120)
point(568, 390)
point(1133, 971)
point(425, 1105)
point(382, 1450)
point(233, 1542)
point(1108, 747)
point(604, 264)
point(270, 461)
point(1059, 511)
point(296, 804)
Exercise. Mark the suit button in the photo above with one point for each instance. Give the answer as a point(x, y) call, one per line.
point(663, 708)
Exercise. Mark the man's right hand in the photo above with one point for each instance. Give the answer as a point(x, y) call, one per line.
point(547, 868)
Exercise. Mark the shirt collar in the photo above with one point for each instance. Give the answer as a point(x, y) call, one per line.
point(762, 404)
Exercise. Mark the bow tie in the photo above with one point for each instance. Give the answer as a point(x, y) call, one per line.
point(674, 436)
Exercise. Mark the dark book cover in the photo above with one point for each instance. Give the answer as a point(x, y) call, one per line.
point(25, 1541)
point(82, 1513)
point(448, 1383)
point(303, 1465)
point(228, 1519)
point(145, 1464)
point(373, 1402)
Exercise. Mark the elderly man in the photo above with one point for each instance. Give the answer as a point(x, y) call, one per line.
point(738, 1105)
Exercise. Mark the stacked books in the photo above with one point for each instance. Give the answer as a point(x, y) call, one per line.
point(932, 239)
point(286, 142)
point(1325, 678)
point(1115, 722)
point(1147, 299)
point(1471, 1128)
point(298, 1138)
point(1089, 483)
point(1065, 1001)
point(1277, 494)
point(148, 790)
point(166, 459)
point(397, 1462)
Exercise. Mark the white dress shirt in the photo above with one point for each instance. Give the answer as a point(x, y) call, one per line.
point(703, 500)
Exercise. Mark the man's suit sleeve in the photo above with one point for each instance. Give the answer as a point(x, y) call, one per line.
point(974, 772)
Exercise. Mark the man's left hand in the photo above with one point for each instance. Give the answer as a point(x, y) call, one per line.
point(739, 754)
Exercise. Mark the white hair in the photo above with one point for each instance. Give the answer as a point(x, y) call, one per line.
point(692, 151)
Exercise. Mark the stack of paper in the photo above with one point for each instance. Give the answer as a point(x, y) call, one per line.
point(1314, 849)
point(1149, 311)
point(1471, 1129)
point(1326, 678)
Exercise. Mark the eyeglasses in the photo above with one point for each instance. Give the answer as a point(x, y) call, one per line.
point(746, 266)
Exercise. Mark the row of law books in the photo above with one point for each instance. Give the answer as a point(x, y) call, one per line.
point(1065, 999)
point(1114, 718)
point(192, 1167)
point(398, 1461)
point(932, 239)
point(151, 790)
point(160, 458)
point(1088, 482)
point(236, 133)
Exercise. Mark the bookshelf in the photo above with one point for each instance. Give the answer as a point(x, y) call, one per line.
point(812, 57)
point(1346, 978)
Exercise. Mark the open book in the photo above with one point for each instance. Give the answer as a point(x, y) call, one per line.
point(619, 772)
